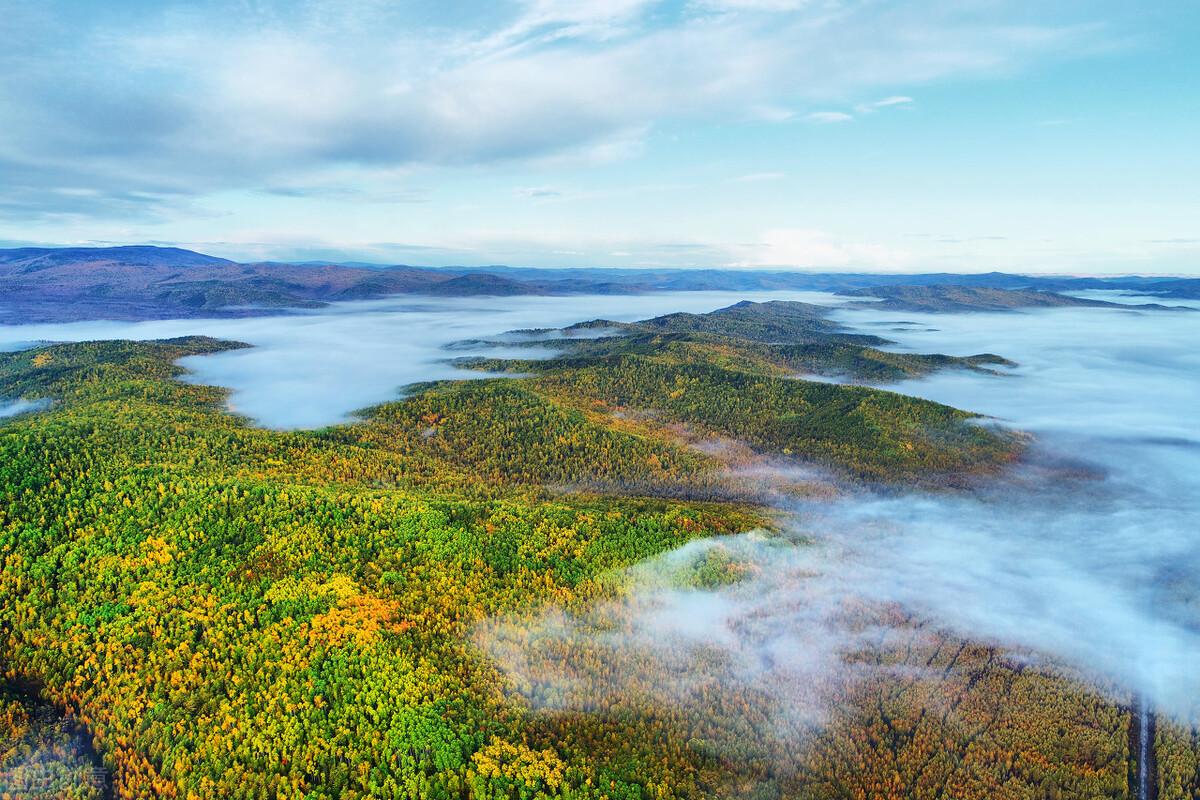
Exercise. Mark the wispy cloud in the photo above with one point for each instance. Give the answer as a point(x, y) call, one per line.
point(537, 192)
point(772, 114)
point(887, 102)
point(828, 117)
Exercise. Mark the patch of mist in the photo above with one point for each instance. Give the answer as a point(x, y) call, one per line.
point(15, 345)
point(778, 483)
point(12, 408)
point(745, 477)
point(48, 755)
point(817, 377)
point(742, 619)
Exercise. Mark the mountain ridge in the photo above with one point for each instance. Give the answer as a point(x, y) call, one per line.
point(135, 282)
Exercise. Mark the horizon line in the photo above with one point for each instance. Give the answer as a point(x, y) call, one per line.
point(354, 262)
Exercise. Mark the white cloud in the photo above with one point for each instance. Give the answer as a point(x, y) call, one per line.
point(828, 117)
point(897, 100)
point(223, 95)
point(894, 100)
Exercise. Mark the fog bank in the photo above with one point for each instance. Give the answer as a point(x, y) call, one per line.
point(315, 368)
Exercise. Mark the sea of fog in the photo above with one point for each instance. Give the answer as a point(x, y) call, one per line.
point(315, 368)
point(1087, 556)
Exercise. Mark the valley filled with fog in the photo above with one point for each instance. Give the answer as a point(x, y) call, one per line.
point(310, 369)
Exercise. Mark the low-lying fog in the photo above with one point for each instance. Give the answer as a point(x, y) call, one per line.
point(315, 368)
point(1088, 555)
point(11, 408)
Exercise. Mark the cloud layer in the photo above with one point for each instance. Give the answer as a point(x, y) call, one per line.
point(131, 109)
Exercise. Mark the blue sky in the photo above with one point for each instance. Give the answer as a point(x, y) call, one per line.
point(827, 134)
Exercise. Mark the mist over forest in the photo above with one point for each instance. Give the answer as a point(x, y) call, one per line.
point(316, 368)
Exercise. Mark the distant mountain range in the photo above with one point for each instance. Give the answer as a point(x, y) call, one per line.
point(145, 282)
point(44, 284)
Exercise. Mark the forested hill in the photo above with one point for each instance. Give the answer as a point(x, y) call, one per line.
point(781, 338)
point(145, 282)
point(975, 298)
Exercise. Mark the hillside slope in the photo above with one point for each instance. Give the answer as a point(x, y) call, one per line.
point(951, 299)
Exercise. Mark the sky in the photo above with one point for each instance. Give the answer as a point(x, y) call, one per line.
point(820, 134)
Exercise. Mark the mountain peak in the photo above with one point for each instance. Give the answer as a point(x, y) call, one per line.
point(140, 255)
